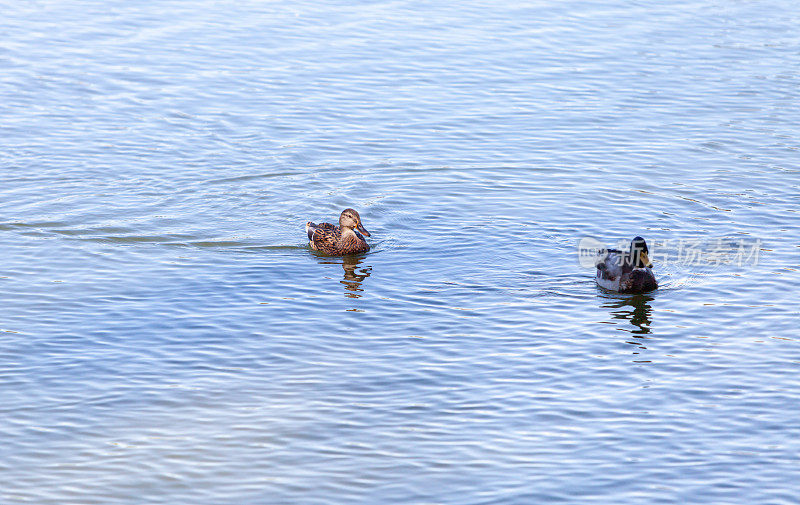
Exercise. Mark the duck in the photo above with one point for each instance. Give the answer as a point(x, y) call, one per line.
point(626, 272)
point(347, 238)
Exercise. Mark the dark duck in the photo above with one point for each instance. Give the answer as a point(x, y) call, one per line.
point(626, 271)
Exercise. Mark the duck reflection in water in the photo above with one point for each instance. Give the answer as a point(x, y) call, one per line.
point(638, 314)
point(354, 273)
point(637, 310)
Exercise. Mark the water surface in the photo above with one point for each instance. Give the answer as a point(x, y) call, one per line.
point(168, 336)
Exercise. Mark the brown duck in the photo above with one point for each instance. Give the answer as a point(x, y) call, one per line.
point(347, 238)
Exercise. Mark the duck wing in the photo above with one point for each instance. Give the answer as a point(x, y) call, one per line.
point(311, 228)
point(606, 258)
point(324, 237)
point(609, 269)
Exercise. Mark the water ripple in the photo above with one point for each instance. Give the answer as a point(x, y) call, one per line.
point(167, 334)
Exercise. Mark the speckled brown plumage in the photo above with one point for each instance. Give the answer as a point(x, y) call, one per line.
point(347, 238)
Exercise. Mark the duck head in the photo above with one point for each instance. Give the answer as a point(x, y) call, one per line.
point(638, 254)
point(350, 219)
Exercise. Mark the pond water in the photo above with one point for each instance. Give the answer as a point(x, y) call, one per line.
point(168, 336)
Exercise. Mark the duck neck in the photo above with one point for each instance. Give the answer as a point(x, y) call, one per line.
point(345, 231)
point(636, 260)
point(352, 234)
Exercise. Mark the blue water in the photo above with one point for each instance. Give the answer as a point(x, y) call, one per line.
point(168, 336)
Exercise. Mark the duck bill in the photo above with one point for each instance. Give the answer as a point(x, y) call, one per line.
point(644, 260)
point(362, 230)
